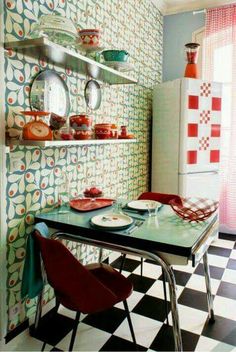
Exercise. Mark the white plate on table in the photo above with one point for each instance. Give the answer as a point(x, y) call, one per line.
point(143, 205)
point(112, 221)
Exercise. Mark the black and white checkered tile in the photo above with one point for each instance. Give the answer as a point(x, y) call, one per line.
point(108, 331)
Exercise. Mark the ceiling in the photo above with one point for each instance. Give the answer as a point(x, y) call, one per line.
point(168, 7)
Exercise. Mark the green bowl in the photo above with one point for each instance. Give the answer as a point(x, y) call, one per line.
point(115, 55)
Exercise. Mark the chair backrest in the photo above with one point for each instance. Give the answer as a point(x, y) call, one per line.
point(75, 286)
point(160, 197)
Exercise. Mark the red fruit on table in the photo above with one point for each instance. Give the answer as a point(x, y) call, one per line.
point(92, 192)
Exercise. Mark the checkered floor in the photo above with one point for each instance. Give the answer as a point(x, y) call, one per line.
point(109, 331)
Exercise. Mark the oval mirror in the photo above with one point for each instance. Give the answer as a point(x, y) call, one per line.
point(93, 94)
point(50, 93)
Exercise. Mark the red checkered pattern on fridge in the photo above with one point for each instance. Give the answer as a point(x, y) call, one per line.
point(216, 104)
point(205, 89)
point(214, 156)
point(204, 143)
point(215, 130)
point(192, 157)
point(193, 102)
point(192, 130)
point(205, 116)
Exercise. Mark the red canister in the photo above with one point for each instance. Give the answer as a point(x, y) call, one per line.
point(81, 122)
point(103, 130)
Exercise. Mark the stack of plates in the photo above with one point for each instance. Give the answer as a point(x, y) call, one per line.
point(57, 28)
point(119, 65)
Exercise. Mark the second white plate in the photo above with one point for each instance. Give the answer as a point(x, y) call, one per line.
point(143, 204)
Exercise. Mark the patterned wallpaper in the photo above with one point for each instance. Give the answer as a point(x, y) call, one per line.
point(122, 169)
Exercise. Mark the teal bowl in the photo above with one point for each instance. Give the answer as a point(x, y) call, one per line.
point(115, 55)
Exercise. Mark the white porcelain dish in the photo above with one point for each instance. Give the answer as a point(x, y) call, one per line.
point(112, 221)
point(143, 205)
point(59, 29)
point(58, 23)
point(119, 65)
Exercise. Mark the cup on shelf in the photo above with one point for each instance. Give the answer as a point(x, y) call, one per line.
point(103, 130)
point(90, 38)
point(66, 133)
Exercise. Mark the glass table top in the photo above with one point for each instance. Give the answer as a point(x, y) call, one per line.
point(165, 232)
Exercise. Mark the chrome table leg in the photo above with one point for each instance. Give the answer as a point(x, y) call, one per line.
point(174, 307)
point(208, 288)
point(100, 255)
point(38, 310)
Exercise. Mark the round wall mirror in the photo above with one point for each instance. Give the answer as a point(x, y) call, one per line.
point(50, 93)
point(93, 95)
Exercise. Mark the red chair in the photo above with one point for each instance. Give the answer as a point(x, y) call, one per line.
point(164, 199)
point(84, 289)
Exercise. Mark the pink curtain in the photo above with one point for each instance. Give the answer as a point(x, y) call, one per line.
point(219, 64)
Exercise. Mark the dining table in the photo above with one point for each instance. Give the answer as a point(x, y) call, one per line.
point(165, 239)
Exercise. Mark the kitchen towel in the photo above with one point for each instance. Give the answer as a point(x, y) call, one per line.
point(32, 280)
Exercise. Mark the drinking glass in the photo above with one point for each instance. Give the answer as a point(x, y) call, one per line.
point(118, 205)
point(152, 208)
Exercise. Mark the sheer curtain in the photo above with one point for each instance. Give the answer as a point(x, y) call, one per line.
point(219, 64)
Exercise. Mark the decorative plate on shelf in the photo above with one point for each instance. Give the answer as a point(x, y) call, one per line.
point(143, 205)
point(119, 65)
point(112, 221)
point(86, 204)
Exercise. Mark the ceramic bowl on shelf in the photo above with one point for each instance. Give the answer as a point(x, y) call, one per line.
point(81, 122)
point(90, 38)
point(103, 130)
point(66, 133)
point(57, 121)
point(194, 209)
point(83, 135)
point(115, 55)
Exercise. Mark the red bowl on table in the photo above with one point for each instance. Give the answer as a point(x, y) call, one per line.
point(103, 130)
point(194, 209)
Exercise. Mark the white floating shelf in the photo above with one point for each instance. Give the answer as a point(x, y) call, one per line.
point(64, 143)
point(64, 57)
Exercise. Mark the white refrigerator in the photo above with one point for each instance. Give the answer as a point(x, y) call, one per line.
point(186, 138)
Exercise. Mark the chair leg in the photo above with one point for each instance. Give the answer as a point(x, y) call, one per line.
point(141, 269)
point(122, 262)
point(130, 323)
point(44, 345)
point(57, 305)
point(74, 331)
point(165, 295)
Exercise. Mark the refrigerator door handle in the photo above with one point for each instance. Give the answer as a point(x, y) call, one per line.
point(214, 172)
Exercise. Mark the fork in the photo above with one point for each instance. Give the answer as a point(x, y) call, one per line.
point(137, 224)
